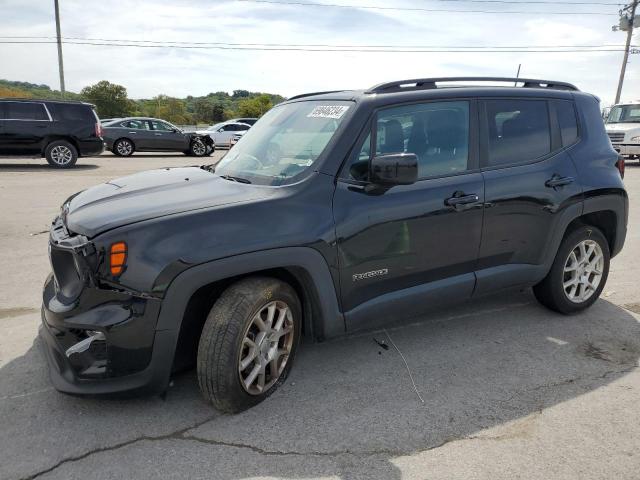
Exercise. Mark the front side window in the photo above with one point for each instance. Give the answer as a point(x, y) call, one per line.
point(518, 131)
point(25, 111)
point(436, 132)
point(155, 125)
point(285, 142)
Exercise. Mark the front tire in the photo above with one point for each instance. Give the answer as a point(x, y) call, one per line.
point(248, 343)
point(198, 148)
point(578, 274)
point(61, 154)
point(123, 147)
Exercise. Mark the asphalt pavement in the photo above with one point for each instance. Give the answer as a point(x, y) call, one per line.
point(511, 390)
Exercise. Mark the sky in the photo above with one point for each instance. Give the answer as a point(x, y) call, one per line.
point(147, 72)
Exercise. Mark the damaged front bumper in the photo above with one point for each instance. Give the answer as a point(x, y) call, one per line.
point(98, 339)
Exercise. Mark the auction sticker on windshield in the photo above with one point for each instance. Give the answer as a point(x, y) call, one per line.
point(328, 111)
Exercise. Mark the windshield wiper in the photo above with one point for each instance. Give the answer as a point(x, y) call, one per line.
point(235, 179)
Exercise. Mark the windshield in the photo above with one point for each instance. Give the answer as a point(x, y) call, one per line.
point(284, 143)
point(624, 114)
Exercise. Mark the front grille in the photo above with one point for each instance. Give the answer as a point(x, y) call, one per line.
point(616, 137)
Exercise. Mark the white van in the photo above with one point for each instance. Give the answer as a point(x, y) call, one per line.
point(623, 128)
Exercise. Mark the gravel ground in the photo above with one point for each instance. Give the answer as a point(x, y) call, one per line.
point(511, 390)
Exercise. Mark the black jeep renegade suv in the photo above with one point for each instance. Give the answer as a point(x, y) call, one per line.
point(337, 211)
point(60, 131)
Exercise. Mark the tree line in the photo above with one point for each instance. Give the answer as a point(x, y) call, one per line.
point(111, 100)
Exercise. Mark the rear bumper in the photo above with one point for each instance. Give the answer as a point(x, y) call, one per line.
point(133, 357)
point(91, 147)
point(627, 149)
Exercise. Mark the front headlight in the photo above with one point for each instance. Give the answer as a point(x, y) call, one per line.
point(635, 139)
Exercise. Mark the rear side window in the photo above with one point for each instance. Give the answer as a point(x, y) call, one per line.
point(74, 113)
point(135, 124)
point(567, 122)
point(518, 131)
point(23, 111)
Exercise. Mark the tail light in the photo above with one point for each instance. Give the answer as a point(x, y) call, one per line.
point(98, 129)
point(117, 258)
point(620, 165)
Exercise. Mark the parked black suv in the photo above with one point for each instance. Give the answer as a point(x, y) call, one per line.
point(60, 131)
point(336, 212)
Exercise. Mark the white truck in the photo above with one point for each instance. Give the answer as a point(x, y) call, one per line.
point(623, 128)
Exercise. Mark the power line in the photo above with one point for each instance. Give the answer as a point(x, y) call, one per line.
point(310, 45)
point(536, 2)
point(304, 49)
point(419, 9)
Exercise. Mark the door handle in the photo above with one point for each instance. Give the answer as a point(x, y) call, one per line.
point(461, 198)
point(132, 133)
point(158, 134)
point(558, 181)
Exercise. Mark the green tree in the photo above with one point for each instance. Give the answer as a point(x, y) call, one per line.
point(110, 99)
point(254, 107)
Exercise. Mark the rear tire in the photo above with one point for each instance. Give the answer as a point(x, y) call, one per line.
point(61, 154)
point(248, 343)
point(123, 147)
point(578, 274)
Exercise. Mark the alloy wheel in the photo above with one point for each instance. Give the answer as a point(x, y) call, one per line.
point(61, 155)
point(266, 347)
point(198, 148)
point(124, 147)
point(583, 271)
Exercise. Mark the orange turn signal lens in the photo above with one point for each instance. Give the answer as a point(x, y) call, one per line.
point(117, 258)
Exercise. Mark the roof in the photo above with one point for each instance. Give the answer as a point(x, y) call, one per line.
point(446, 86)
point(45, 100)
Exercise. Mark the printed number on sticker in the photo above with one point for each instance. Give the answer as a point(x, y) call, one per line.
point(328, 111)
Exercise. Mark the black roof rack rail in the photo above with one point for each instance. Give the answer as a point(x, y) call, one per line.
point(302, 95)
point(429, 83)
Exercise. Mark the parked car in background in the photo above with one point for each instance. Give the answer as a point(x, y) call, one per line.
point(140, 134)
point(59, 131)
point(221, 133)
point(336, 212)
point(106, 121)
point(248, 121)
point(623, 128)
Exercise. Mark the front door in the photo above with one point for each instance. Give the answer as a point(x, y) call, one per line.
point(403, 249)
point(167, 137)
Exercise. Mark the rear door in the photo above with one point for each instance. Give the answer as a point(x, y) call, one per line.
point(530, 181)
point(23, 127)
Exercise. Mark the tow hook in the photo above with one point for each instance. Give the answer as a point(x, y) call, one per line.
point(83, 345)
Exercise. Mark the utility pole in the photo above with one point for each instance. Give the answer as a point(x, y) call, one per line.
point(627, 23)
point(59, 37)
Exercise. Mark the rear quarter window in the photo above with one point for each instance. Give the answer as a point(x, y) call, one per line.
point(567, 122)
point(23, 111)
point(70, 112)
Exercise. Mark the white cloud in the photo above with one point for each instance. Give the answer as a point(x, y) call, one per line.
point(149, 71)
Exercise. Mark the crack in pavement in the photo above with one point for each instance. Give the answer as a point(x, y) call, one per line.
point(181, 434)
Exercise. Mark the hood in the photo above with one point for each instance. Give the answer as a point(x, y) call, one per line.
point(152, 194)
point(622, 127)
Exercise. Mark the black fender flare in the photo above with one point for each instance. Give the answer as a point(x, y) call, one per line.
point(329, 321)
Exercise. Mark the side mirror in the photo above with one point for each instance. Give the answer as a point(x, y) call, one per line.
point(394, 169)
point(221, 129)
